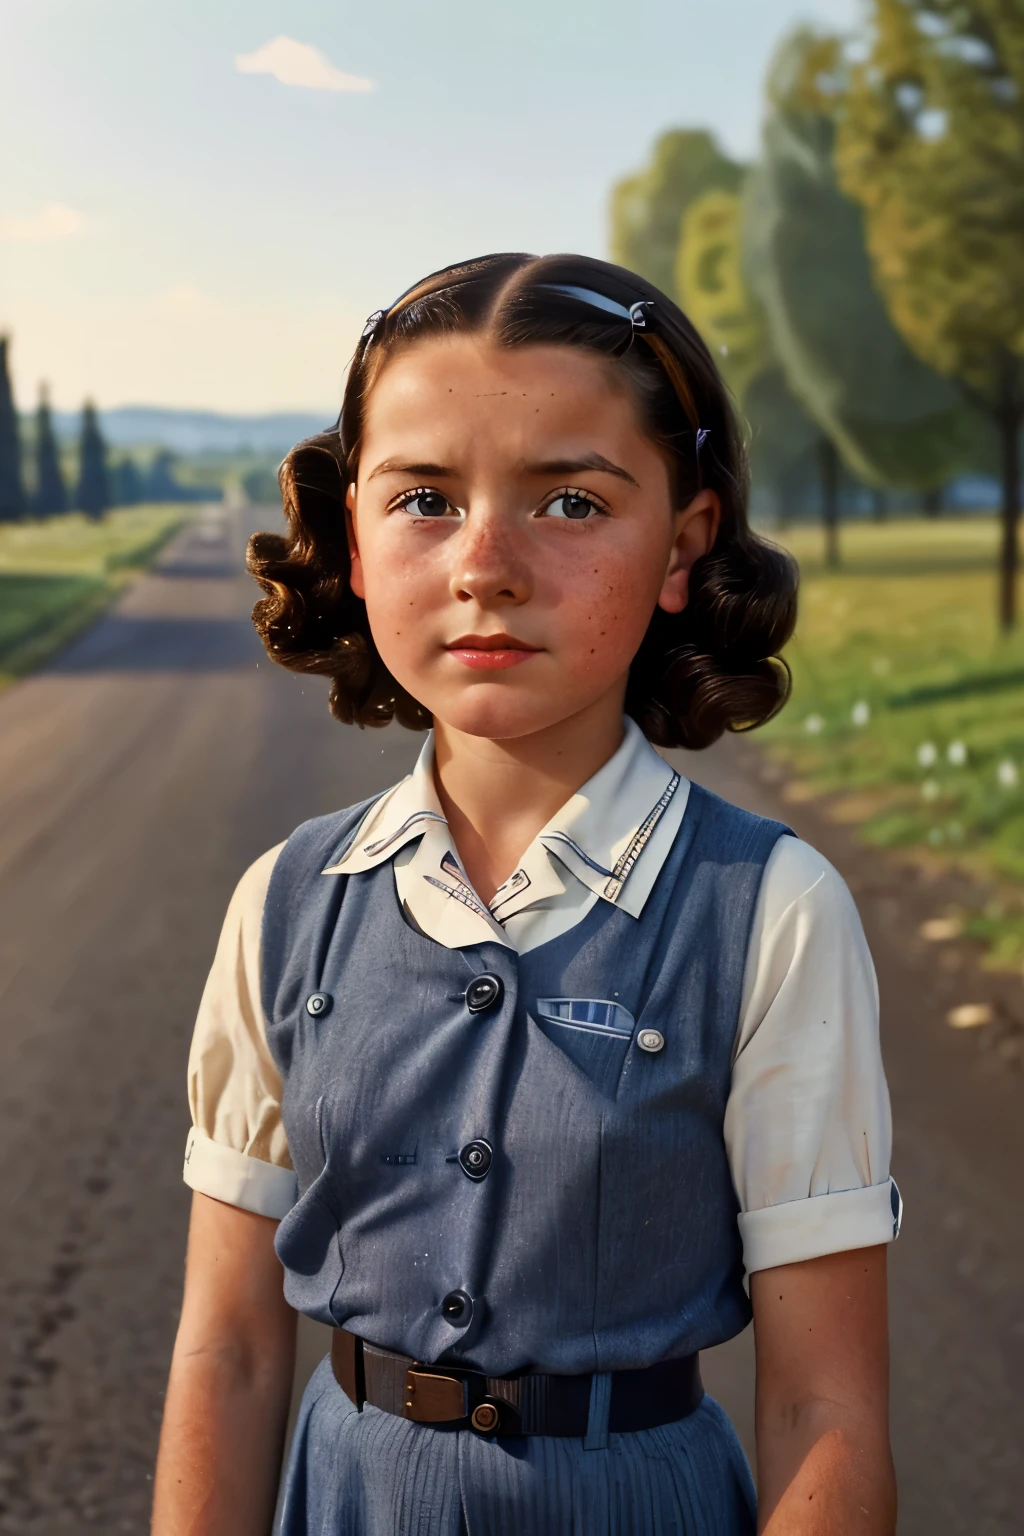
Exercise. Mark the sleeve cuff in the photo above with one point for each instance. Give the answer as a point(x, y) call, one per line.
point(224, 1174)
point(808, 1229)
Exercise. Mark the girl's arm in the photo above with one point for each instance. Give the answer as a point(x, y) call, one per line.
point(822, 1412)
point(230, 1384)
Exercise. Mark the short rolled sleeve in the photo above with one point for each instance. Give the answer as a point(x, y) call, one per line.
point(807, 1125)
point(237, 1151)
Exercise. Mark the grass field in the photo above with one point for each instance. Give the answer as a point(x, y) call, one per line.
point(908, 705)
point(57, 575)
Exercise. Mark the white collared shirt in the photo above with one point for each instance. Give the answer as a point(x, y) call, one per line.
point(807, 1126)
point(589, 851)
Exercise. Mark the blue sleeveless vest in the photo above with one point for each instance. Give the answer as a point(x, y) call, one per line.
point(601, 1234)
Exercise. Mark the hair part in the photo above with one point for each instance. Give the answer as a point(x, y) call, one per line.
point(713, 667)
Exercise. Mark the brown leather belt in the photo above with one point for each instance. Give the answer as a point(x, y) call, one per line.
point(511, 1405)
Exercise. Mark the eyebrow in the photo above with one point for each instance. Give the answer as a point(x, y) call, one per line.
point(400, 467)
point(584, 461)
point(571, 466)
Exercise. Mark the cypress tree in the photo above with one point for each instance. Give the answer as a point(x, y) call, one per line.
point(127, 483)
point(12, 496)
point(93, 494)
point(51, 493)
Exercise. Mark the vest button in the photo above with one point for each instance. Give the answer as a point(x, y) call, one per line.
point(484, 992)
point(458, 1309)
point(318, 1003)
point(650, 1040)
point(475, 1159)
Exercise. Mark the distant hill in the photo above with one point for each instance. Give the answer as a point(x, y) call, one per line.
point(148, 426)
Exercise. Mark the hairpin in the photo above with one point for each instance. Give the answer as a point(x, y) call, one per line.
point(703, 433)
point(372, 323)
point(635, 314)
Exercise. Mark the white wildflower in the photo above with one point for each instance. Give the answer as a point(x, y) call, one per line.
point(927, 754)
point(1007, 774)
point(970, 1016)
point(957, 753)
point(814, 725)
point(930, 790)
point(860, 714)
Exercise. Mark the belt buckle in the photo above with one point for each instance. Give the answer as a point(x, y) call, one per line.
point(434, 1397)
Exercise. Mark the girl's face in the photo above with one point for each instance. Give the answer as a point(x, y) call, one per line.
point(512, 532)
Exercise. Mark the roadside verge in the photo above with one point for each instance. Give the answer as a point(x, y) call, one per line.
point(58, 574)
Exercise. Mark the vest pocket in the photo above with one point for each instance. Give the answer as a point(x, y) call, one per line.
point(593, 1032)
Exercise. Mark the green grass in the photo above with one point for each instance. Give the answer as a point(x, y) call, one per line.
point(908, 704)
point(57, 574)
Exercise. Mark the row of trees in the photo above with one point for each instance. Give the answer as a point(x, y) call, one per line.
point(98, 483)
point(92, 492)
point(863, 283)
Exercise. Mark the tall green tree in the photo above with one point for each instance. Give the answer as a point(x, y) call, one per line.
point(50, 491)
point(93, 493)
point(647, 208)
point(126, 482)
point(12, 495)
point(893, 419)
point(931, 145)
point(784, 441)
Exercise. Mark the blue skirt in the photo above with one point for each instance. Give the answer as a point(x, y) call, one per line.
point(373, 1474)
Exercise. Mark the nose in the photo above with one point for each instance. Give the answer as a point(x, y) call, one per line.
point(490, 564)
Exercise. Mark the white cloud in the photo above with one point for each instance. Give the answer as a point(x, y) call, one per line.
point(56, 222)
point(298, 64)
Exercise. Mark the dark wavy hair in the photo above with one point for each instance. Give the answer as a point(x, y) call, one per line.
point(714, 667)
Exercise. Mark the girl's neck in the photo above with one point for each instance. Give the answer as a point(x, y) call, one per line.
point(497, 795)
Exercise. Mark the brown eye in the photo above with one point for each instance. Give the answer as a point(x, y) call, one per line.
point(571, 505)
point(426, 504)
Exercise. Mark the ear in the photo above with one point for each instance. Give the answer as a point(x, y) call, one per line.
point(355, 579)
point(695, 531)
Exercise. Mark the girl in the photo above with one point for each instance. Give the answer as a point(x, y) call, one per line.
point(518, 1067)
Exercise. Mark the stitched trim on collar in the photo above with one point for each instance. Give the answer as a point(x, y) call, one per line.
point(624, 868)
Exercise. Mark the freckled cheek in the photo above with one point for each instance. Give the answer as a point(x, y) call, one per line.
point(601, 612)
point(404, 593)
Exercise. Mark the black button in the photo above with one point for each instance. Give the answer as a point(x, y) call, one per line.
point(318, 1003)
point(484, 992)
point(475, 1159)
point(457, 1308)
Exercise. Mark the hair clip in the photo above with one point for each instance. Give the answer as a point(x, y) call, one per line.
point(635, 314)
point(372, 323)
point(703, 433)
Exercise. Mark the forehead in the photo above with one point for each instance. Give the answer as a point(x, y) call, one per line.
point(468, 385)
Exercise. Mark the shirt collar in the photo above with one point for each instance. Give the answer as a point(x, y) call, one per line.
point(598, 837)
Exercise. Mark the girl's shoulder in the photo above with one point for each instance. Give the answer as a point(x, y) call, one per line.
point(798, 874)
point(313, 846)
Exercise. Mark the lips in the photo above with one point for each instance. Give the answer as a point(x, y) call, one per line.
point(491, 653)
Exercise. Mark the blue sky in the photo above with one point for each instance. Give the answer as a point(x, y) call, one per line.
point(176, 230)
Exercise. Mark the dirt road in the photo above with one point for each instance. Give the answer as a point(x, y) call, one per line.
point(138, 776)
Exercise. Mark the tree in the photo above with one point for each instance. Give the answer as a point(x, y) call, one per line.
point(93, 493)
point(711, 286)
point(931, 145)
point(50, 492)
point(892, 418)
point(161, 484)
point(12, 496)
point(126, 482)
point(647, 208)
point(785, 448)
